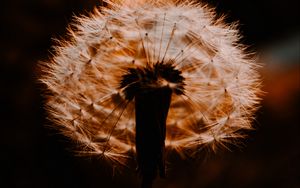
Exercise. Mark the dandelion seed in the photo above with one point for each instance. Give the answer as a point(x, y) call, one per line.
point(146, 77)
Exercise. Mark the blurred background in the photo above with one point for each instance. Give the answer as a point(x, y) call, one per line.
point(32, 155)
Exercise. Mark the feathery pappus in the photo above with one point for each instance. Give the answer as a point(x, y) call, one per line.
point(144, 77)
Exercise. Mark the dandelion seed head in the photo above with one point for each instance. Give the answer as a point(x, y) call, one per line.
point(132, 46)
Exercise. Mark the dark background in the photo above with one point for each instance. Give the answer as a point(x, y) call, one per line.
point(33, 155)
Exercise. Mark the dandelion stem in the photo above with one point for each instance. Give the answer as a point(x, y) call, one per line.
point(151, 114)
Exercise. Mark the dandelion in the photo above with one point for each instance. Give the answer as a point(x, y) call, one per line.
point(146, 77)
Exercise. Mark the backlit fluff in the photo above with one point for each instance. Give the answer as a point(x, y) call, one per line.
point(221, 84)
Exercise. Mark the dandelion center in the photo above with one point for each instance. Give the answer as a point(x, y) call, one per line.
point(152, 77)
